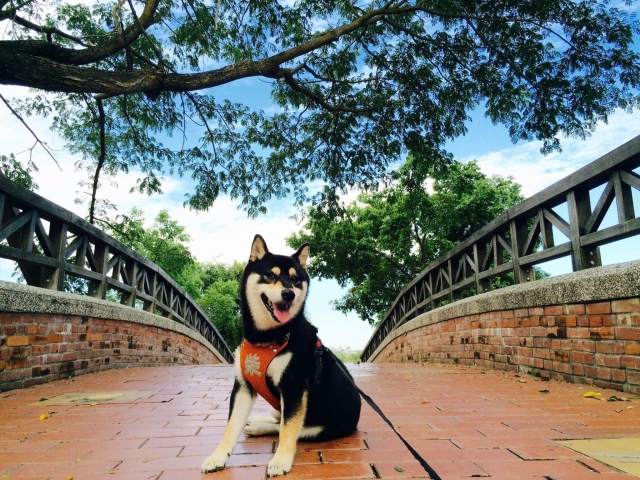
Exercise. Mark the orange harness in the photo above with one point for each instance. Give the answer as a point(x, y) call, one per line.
point(254, 361)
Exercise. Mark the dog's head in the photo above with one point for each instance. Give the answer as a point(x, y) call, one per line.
point(275, 286)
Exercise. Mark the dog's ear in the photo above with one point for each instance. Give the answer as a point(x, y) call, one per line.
point(258, 248)
point(302, 255)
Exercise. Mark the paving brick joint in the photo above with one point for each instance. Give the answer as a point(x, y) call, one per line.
point(466, 421)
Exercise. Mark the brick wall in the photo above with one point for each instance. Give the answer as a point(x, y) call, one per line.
point(38, 348)
point(592, 343)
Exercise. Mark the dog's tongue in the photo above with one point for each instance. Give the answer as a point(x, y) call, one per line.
point(282, 313)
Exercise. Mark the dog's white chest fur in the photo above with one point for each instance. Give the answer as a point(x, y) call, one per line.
point(277, 367)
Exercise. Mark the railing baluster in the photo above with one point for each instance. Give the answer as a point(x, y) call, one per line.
point(546, 230)
point(579, 206)
point(99, 289)
point(519, 233)
point(624, 200)
point(54, 278)
point(129, 298)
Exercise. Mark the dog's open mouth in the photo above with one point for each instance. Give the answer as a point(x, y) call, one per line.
point(279, 311)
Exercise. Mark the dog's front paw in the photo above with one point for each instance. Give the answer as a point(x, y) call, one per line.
point(262, 419)
point(260, 429)
point(215, 462)
point(279, 465)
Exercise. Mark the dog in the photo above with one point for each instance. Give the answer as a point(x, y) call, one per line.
point(313, 395)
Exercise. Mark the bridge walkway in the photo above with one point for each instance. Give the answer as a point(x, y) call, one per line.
point(161, 422)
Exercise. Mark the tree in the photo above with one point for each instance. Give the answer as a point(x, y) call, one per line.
point(216, 288)
point(347, 354)
point(164, 243)
point(15, 171)
point(358, 84)
point(381, 241)
point(222, 302)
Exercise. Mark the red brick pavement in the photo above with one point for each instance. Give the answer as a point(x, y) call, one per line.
point(464, 421)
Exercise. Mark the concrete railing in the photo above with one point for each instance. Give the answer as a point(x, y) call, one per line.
point(582, 327)
point(527, 234)
point(51, 244)
point(47, 335)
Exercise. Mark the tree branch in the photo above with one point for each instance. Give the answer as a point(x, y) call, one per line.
point(48, 30)
point(501, 55)
point(44, 145)
point(289, 80)
point(92, 54)
point(50, 67)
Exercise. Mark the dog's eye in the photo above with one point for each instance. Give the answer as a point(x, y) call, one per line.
point(270, 275)
point(295, 279)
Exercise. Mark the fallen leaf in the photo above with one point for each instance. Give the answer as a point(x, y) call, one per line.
point(612, 398)
point(592, 395)
point(93, 404)
point(522, 380)
point(44, 416)
point(424, 403)
point(398, 469)
point(42, 399)
point(544, 391)
point(617, 411)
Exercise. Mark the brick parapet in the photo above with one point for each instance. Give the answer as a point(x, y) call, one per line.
point(595, 343)
point(37, 348)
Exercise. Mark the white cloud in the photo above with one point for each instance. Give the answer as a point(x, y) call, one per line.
point(535, 171)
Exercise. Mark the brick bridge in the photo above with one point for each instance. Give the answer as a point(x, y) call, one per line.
point(481, 382)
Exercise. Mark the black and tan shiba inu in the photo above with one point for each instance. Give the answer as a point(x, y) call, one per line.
point(282, 359)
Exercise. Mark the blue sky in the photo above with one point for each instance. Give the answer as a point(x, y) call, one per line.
point(225, 233)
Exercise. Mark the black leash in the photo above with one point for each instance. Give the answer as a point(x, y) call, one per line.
point(432, 473)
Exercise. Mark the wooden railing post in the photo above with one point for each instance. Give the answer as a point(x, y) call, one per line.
point(624, 199)
point(479, 254)
point(99, 289)
point(518, 230)
point(579, 206)
point(129, 298)
point(54, 277)
point(150, 306)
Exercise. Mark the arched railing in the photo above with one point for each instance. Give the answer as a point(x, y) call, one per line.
point(50, 243)
point(523, 237)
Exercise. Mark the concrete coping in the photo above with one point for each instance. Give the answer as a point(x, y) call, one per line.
point(611, 282)
point(18, 298)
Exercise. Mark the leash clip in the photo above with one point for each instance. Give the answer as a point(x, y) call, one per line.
point(285, 339)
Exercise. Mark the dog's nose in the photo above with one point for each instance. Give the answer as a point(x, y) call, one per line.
point(288, 295)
